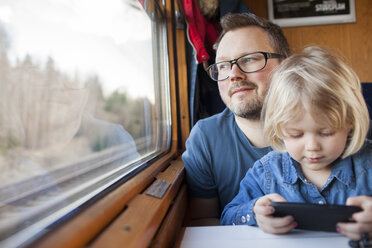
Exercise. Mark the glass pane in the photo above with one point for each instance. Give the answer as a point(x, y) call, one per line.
point(84, 101)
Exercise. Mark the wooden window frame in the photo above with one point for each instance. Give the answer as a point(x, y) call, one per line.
point(126, 216)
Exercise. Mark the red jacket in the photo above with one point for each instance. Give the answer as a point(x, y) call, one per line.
point(201, 33)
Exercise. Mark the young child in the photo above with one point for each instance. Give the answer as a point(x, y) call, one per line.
point(316, 120)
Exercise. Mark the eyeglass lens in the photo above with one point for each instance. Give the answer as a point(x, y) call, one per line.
point(248, 63)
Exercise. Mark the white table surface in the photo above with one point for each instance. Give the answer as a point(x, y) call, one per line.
point(250, 237)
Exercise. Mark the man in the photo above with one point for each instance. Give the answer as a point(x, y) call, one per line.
point(223, 147)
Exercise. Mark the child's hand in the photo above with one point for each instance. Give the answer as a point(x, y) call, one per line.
point(266, 221)
point(363, 219)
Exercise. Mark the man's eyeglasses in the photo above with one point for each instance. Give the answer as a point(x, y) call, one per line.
point(250, 62)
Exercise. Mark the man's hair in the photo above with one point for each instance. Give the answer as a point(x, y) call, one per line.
point(319, 82)
point(233, 21)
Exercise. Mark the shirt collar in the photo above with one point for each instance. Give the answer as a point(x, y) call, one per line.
point(342, 170)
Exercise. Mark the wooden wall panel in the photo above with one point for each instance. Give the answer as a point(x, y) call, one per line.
point(184, 113)
point(353, 40)
point(361, 41)
point(137, 225)
point(171, 227)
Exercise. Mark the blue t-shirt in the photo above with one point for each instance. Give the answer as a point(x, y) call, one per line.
point(217, 157)
point(279, 173)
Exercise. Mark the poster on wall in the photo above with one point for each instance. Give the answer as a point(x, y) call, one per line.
point(292, 13)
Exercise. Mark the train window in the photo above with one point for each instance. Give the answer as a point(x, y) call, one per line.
point(84, 103)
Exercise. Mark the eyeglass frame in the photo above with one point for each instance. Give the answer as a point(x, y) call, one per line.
point(235, 61)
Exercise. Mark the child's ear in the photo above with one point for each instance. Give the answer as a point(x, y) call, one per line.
point(350, 128)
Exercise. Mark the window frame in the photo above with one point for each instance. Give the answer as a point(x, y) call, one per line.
point(82, 227)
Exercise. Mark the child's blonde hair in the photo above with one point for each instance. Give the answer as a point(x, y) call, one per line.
point(319, 82)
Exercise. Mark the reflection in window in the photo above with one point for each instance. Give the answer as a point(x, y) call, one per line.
point(84, 101)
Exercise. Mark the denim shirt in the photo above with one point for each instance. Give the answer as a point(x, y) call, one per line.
point(279, 173)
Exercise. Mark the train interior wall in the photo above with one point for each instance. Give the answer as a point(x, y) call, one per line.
point(352, 40)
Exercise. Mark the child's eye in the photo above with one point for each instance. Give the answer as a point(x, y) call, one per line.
point(325, 134)
point(295, 135)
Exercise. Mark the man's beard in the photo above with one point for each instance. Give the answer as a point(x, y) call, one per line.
point(246, 108)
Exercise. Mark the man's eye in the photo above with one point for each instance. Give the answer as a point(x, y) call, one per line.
point(223, 66)
point(245, 60)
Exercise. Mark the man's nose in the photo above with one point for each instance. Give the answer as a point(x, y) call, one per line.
point(236, 73)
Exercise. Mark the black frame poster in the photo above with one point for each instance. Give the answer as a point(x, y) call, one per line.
point(291, 13)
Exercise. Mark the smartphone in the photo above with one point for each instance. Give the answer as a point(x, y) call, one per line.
point(316, 217)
